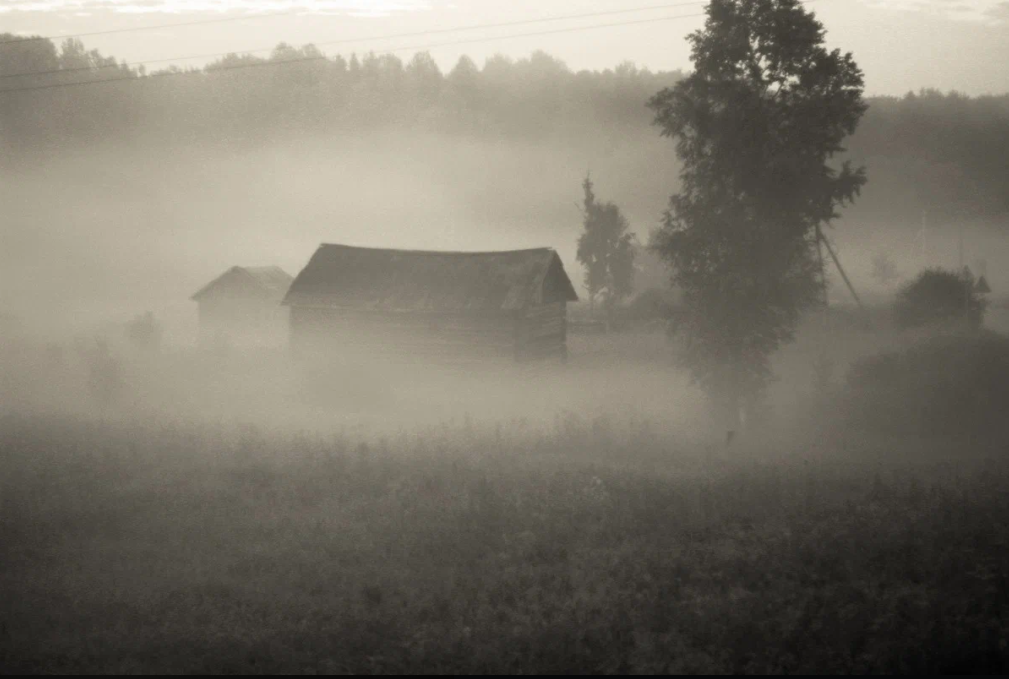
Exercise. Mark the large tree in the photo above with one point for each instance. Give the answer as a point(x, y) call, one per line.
point(756, 124)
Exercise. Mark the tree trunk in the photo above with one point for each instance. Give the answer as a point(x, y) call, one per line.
point(731, 400)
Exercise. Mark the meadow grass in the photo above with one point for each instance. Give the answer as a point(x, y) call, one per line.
point(563, 521)
point(587, 545)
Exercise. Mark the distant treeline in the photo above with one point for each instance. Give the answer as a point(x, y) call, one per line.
point(943, 152)
point(244, 96)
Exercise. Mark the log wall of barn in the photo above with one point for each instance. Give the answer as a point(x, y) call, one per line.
point(407, 336)
point(542, 332)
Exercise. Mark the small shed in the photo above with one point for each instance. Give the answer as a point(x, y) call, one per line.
point(430, 305)
point(242, 306)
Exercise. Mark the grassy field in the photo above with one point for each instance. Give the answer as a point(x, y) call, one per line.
point(583, 523)
point(579, 547)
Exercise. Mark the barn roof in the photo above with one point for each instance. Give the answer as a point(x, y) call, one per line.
point(344, 276)
point(270, 281)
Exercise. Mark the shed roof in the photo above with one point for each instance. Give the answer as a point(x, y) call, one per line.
point(269, 281)
point(344, 276)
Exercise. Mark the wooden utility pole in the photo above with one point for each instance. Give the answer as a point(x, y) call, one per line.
point(840, 268)
point(823, 274)
point(821, 368)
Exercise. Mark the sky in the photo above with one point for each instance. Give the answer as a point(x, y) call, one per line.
point(901, 45)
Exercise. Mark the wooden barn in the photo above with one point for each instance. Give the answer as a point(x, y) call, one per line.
point(431, 306)
point(242, 306)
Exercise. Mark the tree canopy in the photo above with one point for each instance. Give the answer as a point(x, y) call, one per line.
point(756, 125)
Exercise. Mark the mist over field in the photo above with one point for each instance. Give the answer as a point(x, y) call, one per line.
point(102, 233)
point(98, 233)
point(177, 501)
point(185, 214)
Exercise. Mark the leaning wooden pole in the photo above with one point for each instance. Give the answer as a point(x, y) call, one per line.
point(823, 279)
point(840, 268)
point(823, 358)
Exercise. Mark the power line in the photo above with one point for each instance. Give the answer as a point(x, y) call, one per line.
point(345, 41)
point(323, 57)
point(199, 22)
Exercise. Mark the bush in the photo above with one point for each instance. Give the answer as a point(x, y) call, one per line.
point(144, 332)
point(939, 297)
point(650, 304)
point(945, 385)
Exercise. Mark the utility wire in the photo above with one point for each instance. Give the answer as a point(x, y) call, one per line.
point(199, 22)
point(415, 34)
point(323, 57)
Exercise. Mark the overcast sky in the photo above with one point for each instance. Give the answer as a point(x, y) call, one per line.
point(901, 44)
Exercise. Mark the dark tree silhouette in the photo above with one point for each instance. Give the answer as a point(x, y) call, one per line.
point(606, 250)
point(939, 297)
point(756, 123)
point(144, 332)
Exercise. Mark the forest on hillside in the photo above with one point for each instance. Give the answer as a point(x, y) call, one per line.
point(945, 152)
